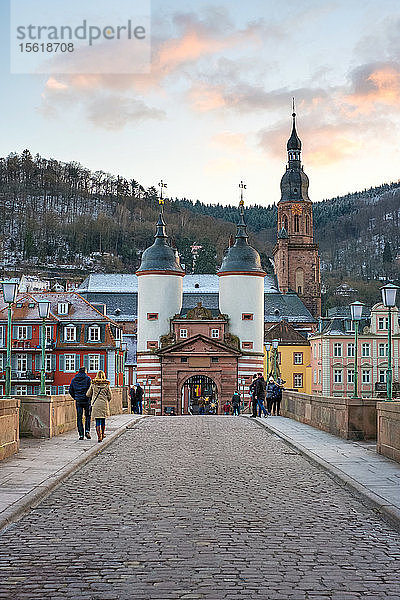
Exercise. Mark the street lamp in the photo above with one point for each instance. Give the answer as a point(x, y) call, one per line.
point(10, 290)
point(267, 347)
point(356, 313)
point(275, 344)
point(124, 347)
point(389, 300)
point(44, 309)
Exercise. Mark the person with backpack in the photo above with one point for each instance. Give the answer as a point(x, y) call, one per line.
point(77, 389)
point(236, 399)
point(100, 395)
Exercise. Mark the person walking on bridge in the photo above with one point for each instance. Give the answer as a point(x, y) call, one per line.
point(260, 394)
point(100, 395)
point(236, 399)
point(77, 389)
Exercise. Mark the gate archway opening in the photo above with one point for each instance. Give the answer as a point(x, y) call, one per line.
point(199, 395)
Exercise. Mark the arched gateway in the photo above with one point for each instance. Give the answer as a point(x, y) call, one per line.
point(199, 395)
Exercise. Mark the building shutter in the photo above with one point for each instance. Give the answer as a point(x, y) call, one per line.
point(38, 362)
point(86, 361)
point(102, 333)
point(61, 362)
point(29, 328)
point(2, 337)
point(40, 334)
point(86, 333)
point(29, 362)
point(77, 361)
point(53, 362)
point(13, 362)
point(14, 332)
point(102, 362)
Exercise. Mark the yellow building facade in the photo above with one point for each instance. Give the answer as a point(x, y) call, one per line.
point(293, 357)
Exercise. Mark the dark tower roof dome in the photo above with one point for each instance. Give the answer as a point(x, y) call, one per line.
point(294, 142)
point(241, 257)
point(160, 256)
point(294, 185)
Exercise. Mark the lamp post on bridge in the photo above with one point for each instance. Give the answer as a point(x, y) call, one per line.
point(10, 291)
point(267, 347)
point(389, 300)
point(275, 344)
point(356, 313)
point(44, 309)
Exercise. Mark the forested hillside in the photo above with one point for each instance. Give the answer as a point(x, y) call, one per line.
point(63, 215)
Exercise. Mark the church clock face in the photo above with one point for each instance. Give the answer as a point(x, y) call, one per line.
point(297, 209)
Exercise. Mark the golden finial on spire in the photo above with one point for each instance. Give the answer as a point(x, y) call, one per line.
point(242, 187)
point(161, 185)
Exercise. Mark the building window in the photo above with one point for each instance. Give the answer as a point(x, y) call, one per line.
point(62, 308)
point(247, 345)
point(315, 351)
point(70, 333)
point(319, 376)
point(184, 359)
point(247, 316)
point(69, 363)
point(382, 375)
point(383, 349)
point(350, 376)
point(383, 323)
point(296, 224)
point(21, 390)
point(22, 332)
point(183, 333)
point(47, 390)
point(48, 364)
point(152, 316)
point(319, 350)
point(22, 363)
point(297, 358)
point(365, 349)
point(338, 376)
point(94, 333)
point(307, 224)
point(94, 363)
point(351, 350)
point(297, 380)
point(2, 357)
point(152, 345)
point(299, 280)
point(49, 333)
point(337, 349)
point(214, 359)
point(315, 375)
point(366, 376)
point(215, 333)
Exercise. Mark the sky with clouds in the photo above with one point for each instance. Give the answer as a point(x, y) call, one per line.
point(215, 107)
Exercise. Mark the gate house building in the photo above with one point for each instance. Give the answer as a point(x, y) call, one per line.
point(203, 335)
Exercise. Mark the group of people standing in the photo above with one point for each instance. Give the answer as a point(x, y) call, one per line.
point(262, 393)
point(92, 398)
point(136, 395)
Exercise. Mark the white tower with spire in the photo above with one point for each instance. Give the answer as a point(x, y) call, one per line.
point(241, 297)
point(160, 290)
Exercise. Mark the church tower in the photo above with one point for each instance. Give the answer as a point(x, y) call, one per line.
point(295, 254)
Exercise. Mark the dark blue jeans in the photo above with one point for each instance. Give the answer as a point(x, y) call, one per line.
point(80, 409)
point(236, 409)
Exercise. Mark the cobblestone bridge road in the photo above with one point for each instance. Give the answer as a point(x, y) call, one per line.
point(200, 507)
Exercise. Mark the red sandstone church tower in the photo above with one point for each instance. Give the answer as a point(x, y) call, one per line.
point(295, 254)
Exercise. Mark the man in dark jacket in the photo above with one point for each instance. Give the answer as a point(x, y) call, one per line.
point(78, 388)
point(132, 396)
point(253, 397)
point(236, 403)
point(139, 398)
point(260, 394)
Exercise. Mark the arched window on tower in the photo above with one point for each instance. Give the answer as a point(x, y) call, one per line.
point(307, 224)
point(299, 280)
point(296, 224)
point(285, 222)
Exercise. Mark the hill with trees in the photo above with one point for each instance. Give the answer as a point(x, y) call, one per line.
point(66, 217)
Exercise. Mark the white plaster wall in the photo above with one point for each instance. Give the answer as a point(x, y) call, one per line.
point(160, 294)
point(244, 294)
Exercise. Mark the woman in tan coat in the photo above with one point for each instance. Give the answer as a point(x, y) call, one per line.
point(100, 395)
